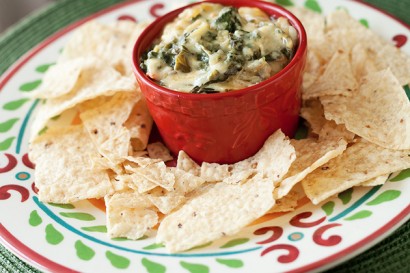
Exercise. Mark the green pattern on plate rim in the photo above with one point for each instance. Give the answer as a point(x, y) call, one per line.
point(284, 241)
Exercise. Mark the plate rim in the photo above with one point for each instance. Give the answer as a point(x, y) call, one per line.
point(31, 257)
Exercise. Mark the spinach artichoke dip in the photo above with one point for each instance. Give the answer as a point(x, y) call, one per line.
point(211, 48)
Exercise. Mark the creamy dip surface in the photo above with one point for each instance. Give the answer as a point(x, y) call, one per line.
point(211, 48)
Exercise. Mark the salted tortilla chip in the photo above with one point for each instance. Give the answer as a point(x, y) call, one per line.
point(129, 215)
point(120, 183)
point(106, 42)
point(100, 162)
point(96, 80)
point(337, 79)
point(345, 32)
point(126, 60)
point(136, 182)
point(286, 203)
point(392, 57)
point(379, 180)
point(363, 61)
point(221, 211)
point(360, 162)
point(139, 124)
point(274, 158)
point(157, 173)
point(166, 201)
point(60, 79)
point(312, 112)
point(340, 19)
point(367, 60)
point(313, 69)
point(213, 172)
point(63, 171)
point(379, 111)
point(104, 124)
point(185, 163)
point(313, 22)
point(239, 176)
point(310, 155)
point(331, 130)
point(142, 161)
point(159, 151)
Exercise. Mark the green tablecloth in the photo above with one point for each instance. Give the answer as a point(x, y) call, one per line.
point(390, 255)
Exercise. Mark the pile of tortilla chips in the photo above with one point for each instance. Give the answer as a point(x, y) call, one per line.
point(354, 104)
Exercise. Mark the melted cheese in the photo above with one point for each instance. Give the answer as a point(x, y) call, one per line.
point(213, 48)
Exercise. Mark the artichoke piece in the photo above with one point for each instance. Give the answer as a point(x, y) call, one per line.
point(181, 63)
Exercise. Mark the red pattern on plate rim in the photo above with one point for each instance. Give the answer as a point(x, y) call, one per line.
point(11, 164)
point(41, 262)
point(155, 8)
point(27, 162)
point(400, 40)
point(5, 192)
point(127, 17)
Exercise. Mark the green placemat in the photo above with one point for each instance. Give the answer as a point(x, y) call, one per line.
point(390, 255)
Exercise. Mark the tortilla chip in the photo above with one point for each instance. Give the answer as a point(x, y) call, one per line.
point(337, 79)
point(360, 162)
point(63, 171)
point(345, 32)
point(129, 215)
point(139, 124)
point(185, 163)
point(158, 150)
point(286, 203)
point(142, 161)
point(105, 125)
point(157, 173)
point(312, 112)
point(100, 162)
point(379, 111)
point(341, 19)
point(105, 42)
point(121, 183)
point(126, 60)
point(398, 61)
point(96, 80)
point(60, 79)
point(363, 61)
point(136, 182)
point(221, 211)
point(310, 155)
point(380, 180)
point(313, 22)
point(166, 201)
point(331, 130)
point(367, 60)
point(239, 176)
point(213, 172)
point(274, 158)
point(313, 69)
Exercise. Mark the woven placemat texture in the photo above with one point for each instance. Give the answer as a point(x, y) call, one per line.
point(390, 255)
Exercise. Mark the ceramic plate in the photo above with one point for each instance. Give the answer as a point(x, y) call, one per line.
point(73, 237)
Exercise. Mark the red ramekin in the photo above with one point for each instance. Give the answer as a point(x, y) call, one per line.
point(224, 127)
